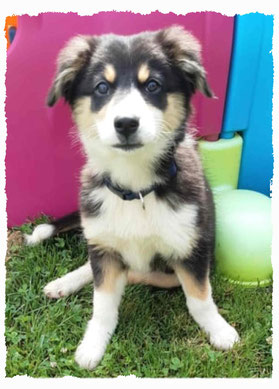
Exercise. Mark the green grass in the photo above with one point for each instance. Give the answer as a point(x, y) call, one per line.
point(155, 336)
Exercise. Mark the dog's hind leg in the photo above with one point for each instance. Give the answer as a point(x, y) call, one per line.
point(154, 278)
point(47, 230)
point(69, 283)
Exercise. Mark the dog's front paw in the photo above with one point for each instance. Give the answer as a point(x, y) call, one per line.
point(57, 289)
point(224, 338)
point(88, 356)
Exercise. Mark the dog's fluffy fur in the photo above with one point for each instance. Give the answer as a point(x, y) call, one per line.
point(130, 98)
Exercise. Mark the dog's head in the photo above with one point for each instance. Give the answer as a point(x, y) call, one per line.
point(128, 92)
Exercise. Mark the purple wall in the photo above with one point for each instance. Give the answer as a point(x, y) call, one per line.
point(42, 162)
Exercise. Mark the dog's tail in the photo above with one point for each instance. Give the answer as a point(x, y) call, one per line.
point(45, 231)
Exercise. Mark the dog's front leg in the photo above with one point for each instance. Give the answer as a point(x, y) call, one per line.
point(203, 309)
point(110, 278)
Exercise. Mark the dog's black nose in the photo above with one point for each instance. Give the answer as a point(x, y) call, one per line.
point(126, 126)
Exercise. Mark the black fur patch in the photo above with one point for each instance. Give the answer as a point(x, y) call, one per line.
point(89, 206)
point(67, 222)
point(201, 258)
point(96, 257)
point(176, 190)
point(99, 259)
point(159, 263)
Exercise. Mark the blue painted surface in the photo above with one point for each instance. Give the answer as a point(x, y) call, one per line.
point(11, 33)
point(249, 99)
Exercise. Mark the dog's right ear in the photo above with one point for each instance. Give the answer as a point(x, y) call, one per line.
point(71, 59)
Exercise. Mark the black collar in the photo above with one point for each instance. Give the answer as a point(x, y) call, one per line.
point(126, 194)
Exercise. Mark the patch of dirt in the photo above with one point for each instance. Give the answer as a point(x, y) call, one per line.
point(15, 240)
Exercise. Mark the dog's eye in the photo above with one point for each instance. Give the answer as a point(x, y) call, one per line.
point(102, 88)
point(153, 86)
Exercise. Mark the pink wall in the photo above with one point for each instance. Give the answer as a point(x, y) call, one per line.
point(42, 163)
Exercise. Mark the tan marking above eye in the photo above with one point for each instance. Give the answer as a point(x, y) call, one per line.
point(143, 73)
point(110, 73)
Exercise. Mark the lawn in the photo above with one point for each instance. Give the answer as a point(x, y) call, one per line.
point(155, 336)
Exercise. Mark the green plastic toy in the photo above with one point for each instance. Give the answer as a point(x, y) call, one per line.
point(243, 217)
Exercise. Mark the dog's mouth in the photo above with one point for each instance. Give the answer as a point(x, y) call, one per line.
point(128, 146)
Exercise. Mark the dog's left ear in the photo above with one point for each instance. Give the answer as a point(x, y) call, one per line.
point(184, 51)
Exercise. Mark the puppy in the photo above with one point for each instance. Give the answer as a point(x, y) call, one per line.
point(146, 209)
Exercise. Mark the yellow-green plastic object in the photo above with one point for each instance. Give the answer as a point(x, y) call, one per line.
point(221, 162)
point(243, 217)
point(243, 236)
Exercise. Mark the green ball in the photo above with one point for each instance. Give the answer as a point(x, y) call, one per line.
point(243, 237)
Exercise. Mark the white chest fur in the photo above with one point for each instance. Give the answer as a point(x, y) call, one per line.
point(139, 234)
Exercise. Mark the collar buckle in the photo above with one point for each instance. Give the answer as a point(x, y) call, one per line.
point(125, 194)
